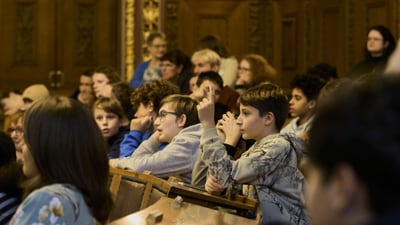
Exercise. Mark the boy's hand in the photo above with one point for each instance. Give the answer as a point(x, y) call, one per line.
point(230, 128)
point(213, 187)
point(142, 123)
point(206, 109)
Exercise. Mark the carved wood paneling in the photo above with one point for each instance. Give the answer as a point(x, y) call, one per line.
point(289, 42)
point(376, 13)
point(151, 22)
point(255, 31)
point(269, 31)
point(307, 9)
point(349, 33)
point(25, 37)
point(85, 26)
point(172, 26)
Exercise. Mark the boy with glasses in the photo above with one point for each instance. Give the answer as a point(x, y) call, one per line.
point(177, 125)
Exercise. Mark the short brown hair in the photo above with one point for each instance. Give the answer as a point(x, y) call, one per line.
point(184, 105)
point(267, 97)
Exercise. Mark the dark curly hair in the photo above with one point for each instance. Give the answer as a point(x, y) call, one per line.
point(153, 92)
point(310, 85)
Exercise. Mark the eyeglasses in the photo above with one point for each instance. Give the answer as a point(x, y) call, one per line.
point(243, 69)
point(159, 46)
point(18, 130)
point(163, 114)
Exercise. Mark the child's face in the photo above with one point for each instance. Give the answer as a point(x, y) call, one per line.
point(251, 124)
point(108, 123)
point(299, 105)
point(167, 123)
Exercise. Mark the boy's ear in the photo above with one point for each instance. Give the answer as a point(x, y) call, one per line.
point(182, 120)
point(215, 68)
point(179, 69)
point(386, 44)
point(151, 106)
point(312, 104)
point(269, 119)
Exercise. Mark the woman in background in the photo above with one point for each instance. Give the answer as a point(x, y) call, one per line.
point(380, 45)
point(150, 70)
point(177, 68)
point(254, 69)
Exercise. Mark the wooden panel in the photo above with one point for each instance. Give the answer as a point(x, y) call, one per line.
point(226, 19)
point(25, 40)
point(87, 37)
point(330, 35)
point(376, 13)
point(289, 43)
point(236, 22)
point(47, 35)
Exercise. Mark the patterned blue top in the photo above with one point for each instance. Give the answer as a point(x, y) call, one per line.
point(58, 204)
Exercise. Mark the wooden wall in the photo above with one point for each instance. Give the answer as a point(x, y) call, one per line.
point(292, 34)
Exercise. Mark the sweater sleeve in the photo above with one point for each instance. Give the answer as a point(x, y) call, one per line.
point(176, 158)
point(130, 142)
point(256, 167)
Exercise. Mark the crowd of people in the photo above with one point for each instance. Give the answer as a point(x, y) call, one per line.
point(327, 152)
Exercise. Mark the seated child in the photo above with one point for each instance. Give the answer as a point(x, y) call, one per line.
point(305, 91)
point(108, 114)
point(270, 167)
point(146, 100)
point(177, 125)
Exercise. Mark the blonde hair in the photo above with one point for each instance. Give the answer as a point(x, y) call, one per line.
point(209, 55)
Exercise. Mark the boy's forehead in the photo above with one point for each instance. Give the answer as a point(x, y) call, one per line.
point(210, 82)
point(297, 91)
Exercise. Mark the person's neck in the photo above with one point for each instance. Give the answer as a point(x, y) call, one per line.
point(84, 99)
point(305, 118)
point(268, 131)
point(155, 62)
point(376, 54)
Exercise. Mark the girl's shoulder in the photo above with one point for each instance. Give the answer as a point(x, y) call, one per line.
point(56, 203)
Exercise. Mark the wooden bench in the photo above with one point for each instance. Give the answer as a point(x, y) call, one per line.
point(133, 191)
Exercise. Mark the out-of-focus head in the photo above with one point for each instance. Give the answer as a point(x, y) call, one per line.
point(102, 76)
point(11, 102)
point(205, 60)
point(380, 42)
point(355, 130)
point(157, 44)
point(214, 43)
point(34, 93)
point(255, 69)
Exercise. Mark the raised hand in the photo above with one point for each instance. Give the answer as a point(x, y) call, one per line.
point(206, 109)
point(393, 65)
